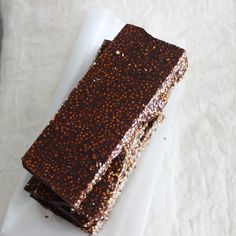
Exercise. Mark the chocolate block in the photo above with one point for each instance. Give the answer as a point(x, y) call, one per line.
point(112, 110)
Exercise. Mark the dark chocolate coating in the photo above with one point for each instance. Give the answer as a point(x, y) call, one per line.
point(99, 111)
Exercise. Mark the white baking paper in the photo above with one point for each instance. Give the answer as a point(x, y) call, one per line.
point(25, 217)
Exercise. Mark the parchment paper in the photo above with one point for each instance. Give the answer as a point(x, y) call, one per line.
point(25, 217)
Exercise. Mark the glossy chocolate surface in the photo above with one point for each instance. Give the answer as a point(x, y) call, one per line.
point(99, 111)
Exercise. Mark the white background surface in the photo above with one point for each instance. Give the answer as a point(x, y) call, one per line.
point(129, 216)
point(195, 191)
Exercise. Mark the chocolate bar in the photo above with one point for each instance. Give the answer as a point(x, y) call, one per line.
point(110, 114)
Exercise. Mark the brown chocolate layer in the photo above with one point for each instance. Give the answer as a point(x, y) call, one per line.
point(99, 112)
point(97, 205)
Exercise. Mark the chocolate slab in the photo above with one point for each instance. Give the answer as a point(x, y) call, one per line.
point(110, 110)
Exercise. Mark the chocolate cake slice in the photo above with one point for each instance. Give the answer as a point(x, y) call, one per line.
point(104, 124)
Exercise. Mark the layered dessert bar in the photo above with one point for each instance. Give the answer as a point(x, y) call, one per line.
point(82, 159)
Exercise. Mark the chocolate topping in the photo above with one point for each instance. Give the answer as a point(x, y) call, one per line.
point(110, 112)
